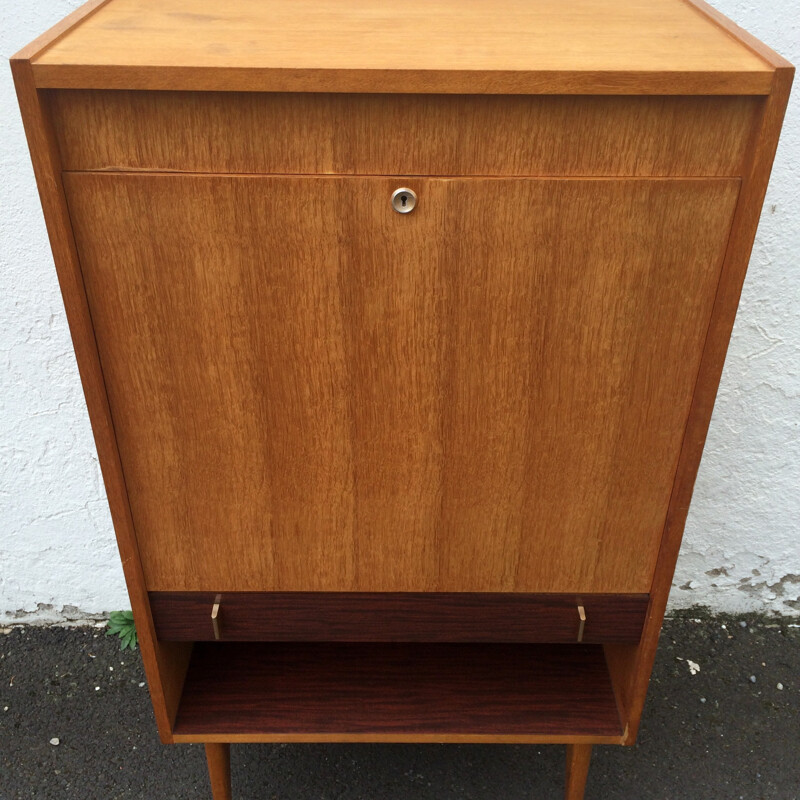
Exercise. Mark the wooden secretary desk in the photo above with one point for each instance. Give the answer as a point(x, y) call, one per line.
point(400, 326)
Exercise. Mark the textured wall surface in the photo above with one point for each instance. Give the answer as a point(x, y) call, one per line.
point(57, 552)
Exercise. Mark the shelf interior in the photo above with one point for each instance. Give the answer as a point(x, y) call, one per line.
point(396, 692)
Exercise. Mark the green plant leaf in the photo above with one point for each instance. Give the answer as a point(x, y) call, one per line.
point(121, 624)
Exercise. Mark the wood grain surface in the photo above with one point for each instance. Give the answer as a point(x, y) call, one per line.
point(54, 33)
point(745, 38)
point(218, 757)
point(434, 46)
point(578, 759)
point(314, 393)
point(165, 664)
point(399, 617)
point(631, 667)
point(397, 691)
point(403, 134)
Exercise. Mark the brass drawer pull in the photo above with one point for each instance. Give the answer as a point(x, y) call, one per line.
point(582, 625)
point(215, 621)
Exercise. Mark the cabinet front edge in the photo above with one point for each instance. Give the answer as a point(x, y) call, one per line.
point(381, 81)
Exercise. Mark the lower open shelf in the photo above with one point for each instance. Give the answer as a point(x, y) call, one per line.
point(259, 691)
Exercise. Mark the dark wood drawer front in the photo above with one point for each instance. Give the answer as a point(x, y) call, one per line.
point(398, 617)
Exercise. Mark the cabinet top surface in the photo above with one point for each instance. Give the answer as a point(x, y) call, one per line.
point(661, 46)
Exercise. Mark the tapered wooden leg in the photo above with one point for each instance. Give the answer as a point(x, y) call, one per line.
point(578, 757)
point(219, 770)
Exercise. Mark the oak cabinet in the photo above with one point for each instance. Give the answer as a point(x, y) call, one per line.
point(383, 476)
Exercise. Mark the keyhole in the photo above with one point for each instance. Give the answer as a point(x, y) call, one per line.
point(404, 200)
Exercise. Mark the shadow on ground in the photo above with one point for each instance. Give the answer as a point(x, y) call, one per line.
point(726, 733)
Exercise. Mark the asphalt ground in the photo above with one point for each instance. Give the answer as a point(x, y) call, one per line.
point(727, 732)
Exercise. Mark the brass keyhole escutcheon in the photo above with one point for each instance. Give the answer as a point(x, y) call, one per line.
point(404, 200)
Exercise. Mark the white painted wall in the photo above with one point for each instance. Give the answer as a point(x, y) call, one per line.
point(57, 552)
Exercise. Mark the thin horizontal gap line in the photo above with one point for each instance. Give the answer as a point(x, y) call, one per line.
point(399, 175)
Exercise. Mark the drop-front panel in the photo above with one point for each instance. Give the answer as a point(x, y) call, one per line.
point(312, 392)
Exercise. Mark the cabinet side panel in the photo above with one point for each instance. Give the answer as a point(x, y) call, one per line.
point(165, 664)
point(631, 667)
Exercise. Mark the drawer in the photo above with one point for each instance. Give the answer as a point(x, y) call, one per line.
point(402, 134)
point(398, 617)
